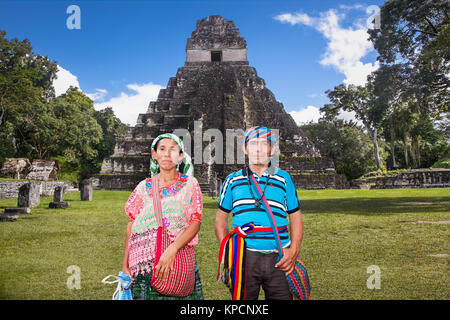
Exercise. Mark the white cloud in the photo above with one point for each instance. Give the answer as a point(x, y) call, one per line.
point(98, 95)
point(349, 115)
point(295, 18)
point(312, 113)
point(346, 46)
point(356, 6)
point(126, 106)
point(302, 116)
point(64, 80)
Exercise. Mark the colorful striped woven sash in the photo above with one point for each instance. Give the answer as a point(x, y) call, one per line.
point(232, 265)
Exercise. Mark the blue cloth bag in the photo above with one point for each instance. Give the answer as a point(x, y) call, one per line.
point(123, 291)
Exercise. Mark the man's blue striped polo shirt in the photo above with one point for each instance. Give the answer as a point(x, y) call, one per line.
point(281, 194)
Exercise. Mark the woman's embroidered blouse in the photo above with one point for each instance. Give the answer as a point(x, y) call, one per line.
point(181, 204)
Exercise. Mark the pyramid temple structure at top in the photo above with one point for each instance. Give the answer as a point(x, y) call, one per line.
point(217, 91)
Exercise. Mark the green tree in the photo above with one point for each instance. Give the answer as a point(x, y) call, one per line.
point(415, 34)
point(360, 100)
point(420, 140)
point(407, 125)
point(36, 124)
point(429, 143)
point(112, 128)
point(25, 87)
point(78, 131)
point(344, 142)
point(387, 85)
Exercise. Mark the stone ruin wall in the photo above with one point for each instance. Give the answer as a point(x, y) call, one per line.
point(415, 178)
point(228, 55)
point(10, 188)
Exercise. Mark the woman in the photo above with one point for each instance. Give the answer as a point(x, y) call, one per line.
point(182, 206)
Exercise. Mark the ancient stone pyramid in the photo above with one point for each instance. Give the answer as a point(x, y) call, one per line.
point(217, 88)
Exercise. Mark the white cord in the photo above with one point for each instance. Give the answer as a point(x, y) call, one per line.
point(118, 280)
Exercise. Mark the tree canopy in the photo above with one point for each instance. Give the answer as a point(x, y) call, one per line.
point(413, 43)
point(36, 124)
point(344, 142)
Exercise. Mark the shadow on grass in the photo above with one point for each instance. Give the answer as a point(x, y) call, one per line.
point(375, 206)
point(366, 206)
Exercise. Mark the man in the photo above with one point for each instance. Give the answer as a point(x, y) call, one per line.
point(258, 264)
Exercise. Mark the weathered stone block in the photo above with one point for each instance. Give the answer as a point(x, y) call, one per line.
point(86, 190)
point(29, 195)
point(58, 195)
point(15, 168)
point(8, 217)
point(20, 210)
point(58, 205)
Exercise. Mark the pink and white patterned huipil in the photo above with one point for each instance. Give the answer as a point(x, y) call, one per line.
point(181, 204)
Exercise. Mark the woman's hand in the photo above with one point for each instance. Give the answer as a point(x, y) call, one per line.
point(165, 264)
point(167, 259)
point(126, 270)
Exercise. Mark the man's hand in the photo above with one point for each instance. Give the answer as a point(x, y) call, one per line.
point(287, 263)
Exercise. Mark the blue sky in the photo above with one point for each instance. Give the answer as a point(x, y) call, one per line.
point(126, 51)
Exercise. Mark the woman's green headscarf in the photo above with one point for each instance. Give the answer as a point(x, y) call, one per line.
point(188, 167)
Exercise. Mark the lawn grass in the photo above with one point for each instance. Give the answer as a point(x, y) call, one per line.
point(345, 231)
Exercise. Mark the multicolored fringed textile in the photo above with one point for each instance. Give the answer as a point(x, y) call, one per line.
point(299, 281)
point(141, 255)
point(232, 259)
point(232, 266)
